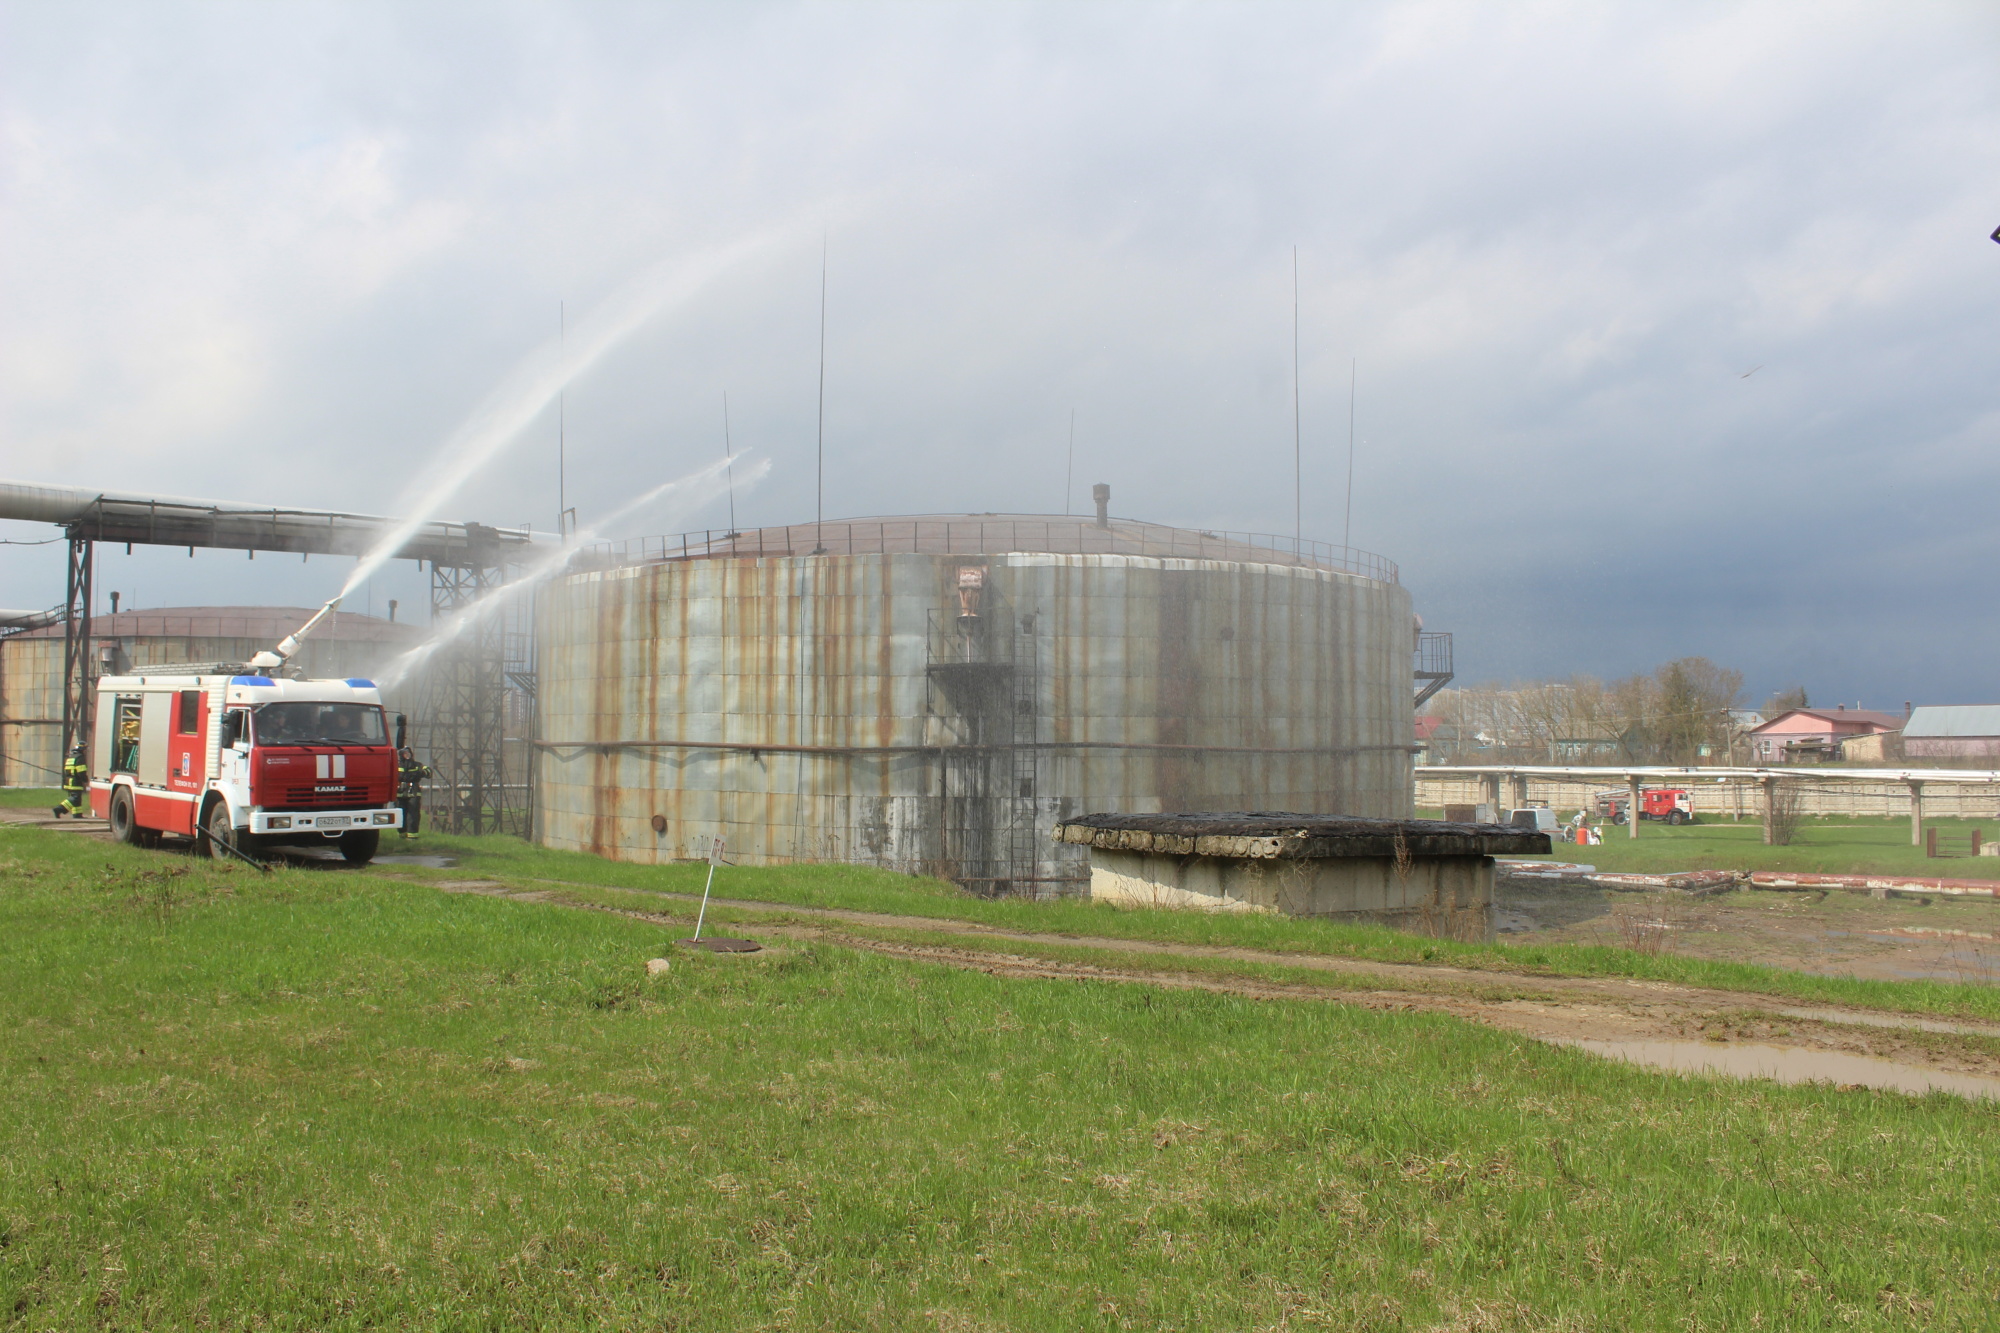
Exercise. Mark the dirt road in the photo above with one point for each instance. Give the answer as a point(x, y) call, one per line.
point(1653, 1022)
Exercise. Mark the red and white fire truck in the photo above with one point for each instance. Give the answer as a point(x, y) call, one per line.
point(240, 757)
point(1668, 805)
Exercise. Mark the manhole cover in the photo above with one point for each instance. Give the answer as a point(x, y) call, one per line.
point(722, 944)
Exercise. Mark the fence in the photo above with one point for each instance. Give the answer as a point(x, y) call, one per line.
point(1735, 799)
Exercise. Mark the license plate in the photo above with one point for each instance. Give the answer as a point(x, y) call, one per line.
point(334, 821)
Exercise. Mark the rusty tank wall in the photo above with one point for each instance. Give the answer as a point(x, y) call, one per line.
point(839, 708)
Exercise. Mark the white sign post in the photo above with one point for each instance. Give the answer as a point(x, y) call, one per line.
point(714, 860)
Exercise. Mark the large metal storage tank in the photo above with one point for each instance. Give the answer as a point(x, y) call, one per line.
point(934, 695)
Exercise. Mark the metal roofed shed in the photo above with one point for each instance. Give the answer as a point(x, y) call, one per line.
point(1952, 731)
point(1423, 875)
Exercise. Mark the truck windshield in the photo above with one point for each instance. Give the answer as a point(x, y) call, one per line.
point(319, 724)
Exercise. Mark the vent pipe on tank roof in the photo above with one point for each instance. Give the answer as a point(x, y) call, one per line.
point(1101, 493)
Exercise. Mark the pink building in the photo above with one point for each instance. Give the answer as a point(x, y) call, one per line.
point(1815, 733)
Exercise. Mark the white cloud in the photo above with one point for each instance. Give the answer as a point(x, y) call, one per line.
point(1555, 235)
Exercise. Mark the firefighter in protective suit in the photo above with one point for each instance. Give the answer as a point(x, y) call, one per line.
point(410, 776)
point(75, 780)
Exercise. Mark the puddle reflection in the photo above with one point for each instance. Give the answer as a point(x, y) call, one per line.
point(1789, 1065)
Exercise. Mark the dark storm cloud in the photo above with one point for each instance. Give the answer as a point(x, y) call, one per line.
point(279, 253)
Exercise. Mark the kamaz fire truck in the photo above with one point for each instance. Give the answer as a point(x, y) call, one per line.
point(1667, 805)
point(240, 756)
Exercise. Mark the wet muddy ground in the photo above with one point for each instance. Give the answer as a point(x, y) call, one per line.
point(1902, 937)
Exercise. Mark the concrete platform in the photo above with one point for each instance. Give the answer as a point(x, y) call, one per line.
point(1422, 875)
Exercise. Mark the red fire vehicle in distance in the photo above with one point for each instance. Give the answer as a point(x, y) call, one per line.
point(1666, 805)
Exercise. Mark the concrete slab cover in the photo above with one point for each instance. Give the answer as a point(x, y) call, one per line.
point(1267, 835)
point(1413, 874)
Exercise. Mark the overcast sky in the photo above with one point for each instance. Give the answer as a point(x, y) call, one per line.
point(1674, 326)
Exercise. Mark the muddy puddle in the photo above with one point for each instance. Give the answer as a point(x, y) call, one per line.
point(1788, 1064)
point(1830, 933)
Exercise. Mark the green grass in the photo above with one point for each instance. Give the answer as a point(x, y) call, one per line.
point(45, 797)
point(862, 888)
point(322, 1100)
point(1835, 845)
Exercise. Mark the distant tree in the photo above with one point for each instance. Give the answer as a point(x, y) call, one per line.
point(1667, 715)
point(1694, 698)
point(1784, 701)
point(1634, 701)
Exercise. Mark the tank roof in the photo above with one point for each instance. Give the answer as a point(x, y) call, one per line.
point(997, 534)
point(262, 623)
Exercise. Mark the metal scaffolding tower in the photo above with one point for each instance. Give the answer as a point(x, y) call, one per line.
point(76, 642)
point(982, 685)
point(468, 695)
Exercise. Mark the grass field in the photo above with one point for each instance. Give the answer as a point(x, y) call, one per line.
point(861, 888)
point(322, 1100)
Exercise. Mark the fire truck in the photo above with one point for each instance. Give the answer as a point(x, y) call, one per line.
point(241, 757)
point(1667, 805)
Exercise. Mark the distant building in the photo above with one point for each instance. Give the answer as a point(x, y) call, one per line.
point(1427, 728)
point(1883, 747)
point(1952, 731)
point(1811, 735)
point(1602, 747)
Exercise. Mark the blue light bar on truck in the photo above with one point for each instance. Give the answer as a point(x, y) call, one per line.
point(360, 684)
point(251, 680)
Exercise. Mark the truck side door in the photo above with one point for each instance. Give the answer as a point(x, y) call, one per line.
point(187, 751)
point(155, 724)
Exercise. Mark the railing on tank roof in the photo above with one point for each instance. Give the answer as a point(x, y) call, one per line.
point(984, 536)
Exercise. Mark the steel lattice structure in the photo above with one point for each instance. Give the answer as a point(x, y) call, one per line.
point(470, 697)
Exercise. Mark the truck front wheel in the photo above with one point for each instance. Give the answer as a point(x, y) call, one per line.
point(124, 824)
point(219, 834)
point(360, 846)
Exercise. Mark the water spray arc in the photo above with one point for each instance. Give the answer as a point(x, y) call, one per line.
point(539, 380)
point(691, 491)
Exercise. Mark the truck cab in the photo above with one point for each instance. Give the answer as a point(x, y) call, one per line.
point(240, 761)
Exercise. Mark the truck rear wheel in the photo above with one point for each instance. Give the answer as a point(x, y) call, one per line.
point(360, 846)
point(124, 823)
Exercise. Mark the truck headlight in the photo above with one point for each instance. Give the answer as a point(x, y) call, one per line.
point(384, 817)
point(280, 821)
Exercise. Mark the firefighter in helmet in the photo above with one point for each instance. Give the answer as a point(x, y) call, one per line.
point(75, 779)
point(410, 776)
